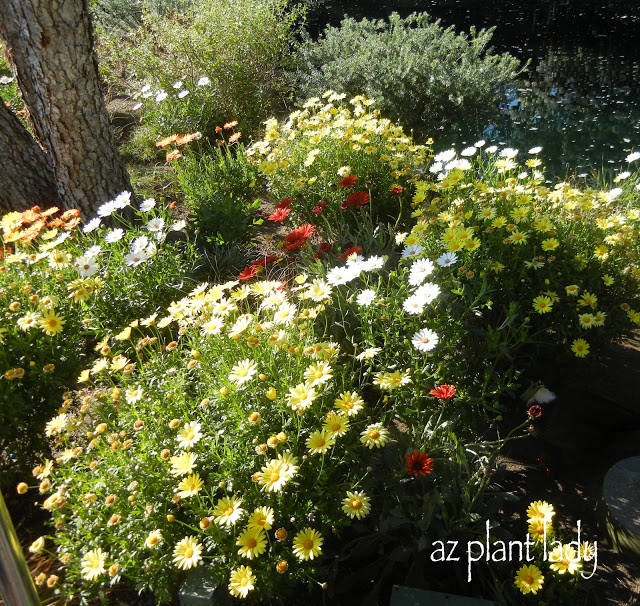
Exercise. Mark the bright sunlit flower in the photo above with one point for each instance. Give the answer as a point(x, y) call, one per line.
point(241, 582)
point(335, 424)
point(243, 372)
point(51, 323)
point(540, 510)
point(228, 511)
point(187, 553)
point(189, 435)
point(529, 579)
point(375, 436)
point(252, 542)
point(307, 544)
point(262, 517)
point(425, 340)
point(320, 442)
point(356, 504)
point(183, 463)
point(565, 558)
point(189, 486)
point(93, 564)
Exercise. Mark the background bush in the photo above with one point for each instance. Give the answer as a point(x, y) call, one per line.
point(241, 47)
point(421, 75)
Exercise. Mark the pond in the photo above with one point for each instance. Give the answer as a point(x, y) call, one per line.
point(579, 97)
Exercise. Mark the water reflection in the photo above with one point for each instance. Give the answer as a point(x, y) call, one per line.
point(580, 96)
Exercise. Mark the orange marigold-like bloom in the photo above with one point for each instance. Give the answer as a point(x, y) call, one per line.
point(419, 463)
point(444, 392)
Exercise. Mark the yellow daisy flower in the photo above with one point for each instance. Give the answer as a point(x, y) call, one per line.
point(356, 504)
point(190, 485)
point(51, 323)
point(540, 510)
point(336, 425)
point(189, 435)
point(93, 564)
point(241, 582)
point(320, 442)
point(262, 517)
point(580, 348)
point(307, 544)
point(565, 558)
point(375, 436)
point(252, 543)
point(183, 463)
point(228, 511)
point(529, 579)
point(187, 553)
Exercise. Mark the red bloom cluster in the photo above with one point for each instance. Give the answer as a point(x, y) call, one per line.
point(249, 272)
point(349, 181)
point(316, 210)
point(443, 392)
point(397, 190)
point(284, 203)
point(280, 214)
point(535, 412)
point(323, 248)
point(419, 463)
point(296, 239)
point(356, 199)
point(349, 251)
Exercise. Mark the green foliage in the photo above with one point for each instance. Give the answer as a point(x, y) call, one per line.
point(420, 74)
point(219, 188)
point(9, 92)
point(123, 15)
point(242, 48)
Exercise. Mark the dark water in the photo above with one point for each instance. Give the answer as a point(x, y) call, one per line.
point(579, 97)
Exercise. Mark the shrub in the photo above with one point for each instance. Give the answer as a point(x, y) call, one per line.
point(338, 162)
point(219, 187)
point(420, 75)
point(217, 61)
point(64, 287)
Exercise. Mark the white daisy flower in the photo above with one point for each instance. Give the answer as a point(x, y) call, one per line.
point(419, 271)
point(509, 153)
point(427, 292)
point(448, 258)
point(414, 305)
point(177, 84)
point(135, 259)
point(161, 96)
point(123, 199)
point(147, 205)
point(480, 143)
point(91, 226)
point(535, 150)
point(156, 224)
point(146, 88)
point(445, 156)
point(469, 151)
point(139, 244)
point(204, 81)
point(366, 297)
point(372, 263)
point(114, 235)
point(182, 94)
point(93, 251)
point(179, 225)
point(341, 275)
point(492, 149)
point(413, 250)
point(425, 340)
point(86, 266)
point(107, 209)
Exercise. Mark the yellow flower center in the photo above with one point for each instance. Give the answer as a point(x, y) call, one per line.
point(228, 511)
point(251, 543)
point(190, 435)
point(374, 434)
point(356, 504)
point(308, 544)
point(321, 443)
point(274, 477)
point(528, 580)
point(188, 552)
point(244, 582)
point(335, 427)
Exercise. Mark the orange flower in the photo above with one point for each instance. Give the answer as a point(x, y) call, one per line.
point(233, 138)
point(230, 124)
point(184, 139)
point(443, 392)
point(173, 155)
point(163, 143)
point(419, 463)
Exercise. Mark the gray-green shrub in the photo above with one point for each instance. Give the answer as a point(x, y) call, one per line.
point(421, 75)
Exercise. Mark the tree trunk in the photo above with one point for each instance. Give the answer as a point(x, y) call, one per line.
point(27, 174)
point(50, 46)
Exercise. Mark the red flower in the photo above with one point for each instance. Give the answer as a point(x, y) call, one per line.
point(316, 210)
point(264, 261)
point(349, 251)
point(325, 246)
point(443, 392)
point(419, 463)
point(357, 200)
point(535, 412)
point(284, 203)
point(296, 239)
point(247, 273)
point(397, 190)
point(280, 214)
point(348, 181)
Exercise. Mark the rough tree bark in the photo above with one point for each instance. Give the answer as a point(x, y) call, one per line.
point(27, 174)
point(50, 46)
